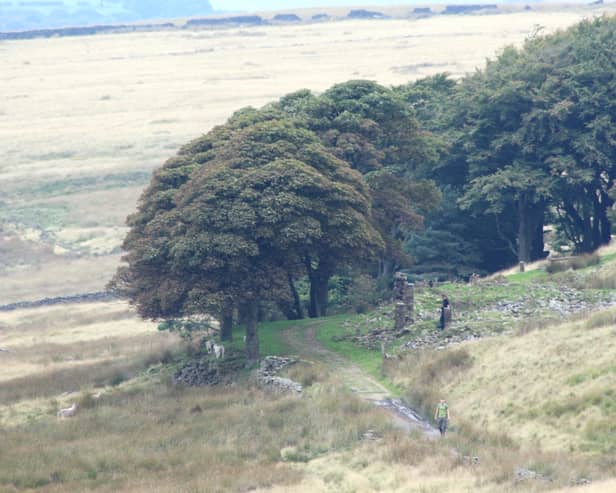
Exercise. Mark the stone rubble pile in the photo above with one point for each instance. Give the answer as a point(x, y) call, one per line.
point(522, 474)
point(439, 340)
point(266, 375)
point(371, 435)
point(61, 300)
point(281, 385)
point(374, 338)
point(198, 373)
point(567, 301)
point(205, 369)
point(271, 365)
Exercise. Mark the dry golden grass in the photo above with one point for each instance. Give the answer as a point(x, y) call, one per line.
point(57, 351)
point(143, 433)
point(546, 388)
point(599, 487)
point(84, 120)
point(142, 436)
point(57, 276)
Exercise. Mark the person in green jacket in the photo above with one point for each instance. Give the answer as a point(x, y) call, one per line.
point(441, 416)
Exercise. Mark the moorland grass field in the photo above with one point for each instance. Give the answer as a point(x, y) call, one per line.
point(85, 120)
point(525, 399)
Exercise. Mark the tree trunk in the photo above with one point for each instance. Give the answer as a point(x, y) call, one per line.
point(322, 295)
point(252, 336)
point(387, 267)
point(604, 229)
point(319, 294)
point(587, 245)
point(525, 237)
point(530, 229)
point(537, 249)
point(292, 309)
point(297, 302)
point(226, 327)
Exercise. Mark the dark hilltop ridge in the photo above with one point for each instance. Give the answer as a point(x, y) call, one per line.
point(190, 9)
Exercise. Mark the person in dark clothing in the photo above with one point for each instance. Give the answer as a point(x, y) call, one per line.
point(445, 304)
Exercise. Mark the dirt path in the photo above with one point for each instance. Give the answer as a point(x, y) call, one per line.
point(303, 341)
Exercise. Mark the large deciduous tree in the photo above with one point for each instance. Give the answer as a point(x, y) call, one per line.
point(240, 212)
point(376, 132)
point(398, 205)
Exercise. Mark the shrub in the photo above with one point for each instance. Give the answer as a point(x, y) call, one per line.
point(87, 401)
point(118, 377)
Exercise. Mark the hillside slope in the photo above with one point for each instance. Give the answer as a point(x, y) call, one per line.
point(532, 403)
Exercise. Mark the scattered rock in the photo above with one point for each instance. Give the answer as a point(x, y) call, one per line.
point(266, 375)
point(471, 460)
point(281, 385)
point(271, 365)
point(522, 474)
point(441, 340)
point(371, 435)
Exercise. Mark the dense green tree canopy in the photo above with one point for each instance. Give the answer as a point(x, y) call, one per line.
point(541, 134)
point(230, 218)
point(311, 185)
point(528, 139)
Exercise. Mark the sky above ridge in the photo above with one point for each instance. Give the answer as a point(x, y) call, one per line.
point(290, 4)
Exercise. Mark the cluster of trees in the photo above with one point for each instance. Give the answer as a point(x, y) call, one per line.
point(314, 185)
point(530, 140)
point(303, 188)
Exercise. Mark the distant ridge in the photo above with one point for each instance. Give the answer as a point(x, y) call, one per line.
point(83, 31)
point(253, 20)
point(52, 14)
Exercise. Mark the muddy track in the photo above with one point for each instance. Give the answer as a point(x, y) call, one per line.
point(303, 341)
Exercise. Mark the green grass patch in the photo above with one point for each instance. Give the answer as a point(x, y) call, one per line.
point(330, 328)
point(604, 400)
point(271, 340)
point(601, 435)
point(85, 183)
point(592, 374)
point(370, 361)
point(606, 259)
point(531, 275)
point(39, 215)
